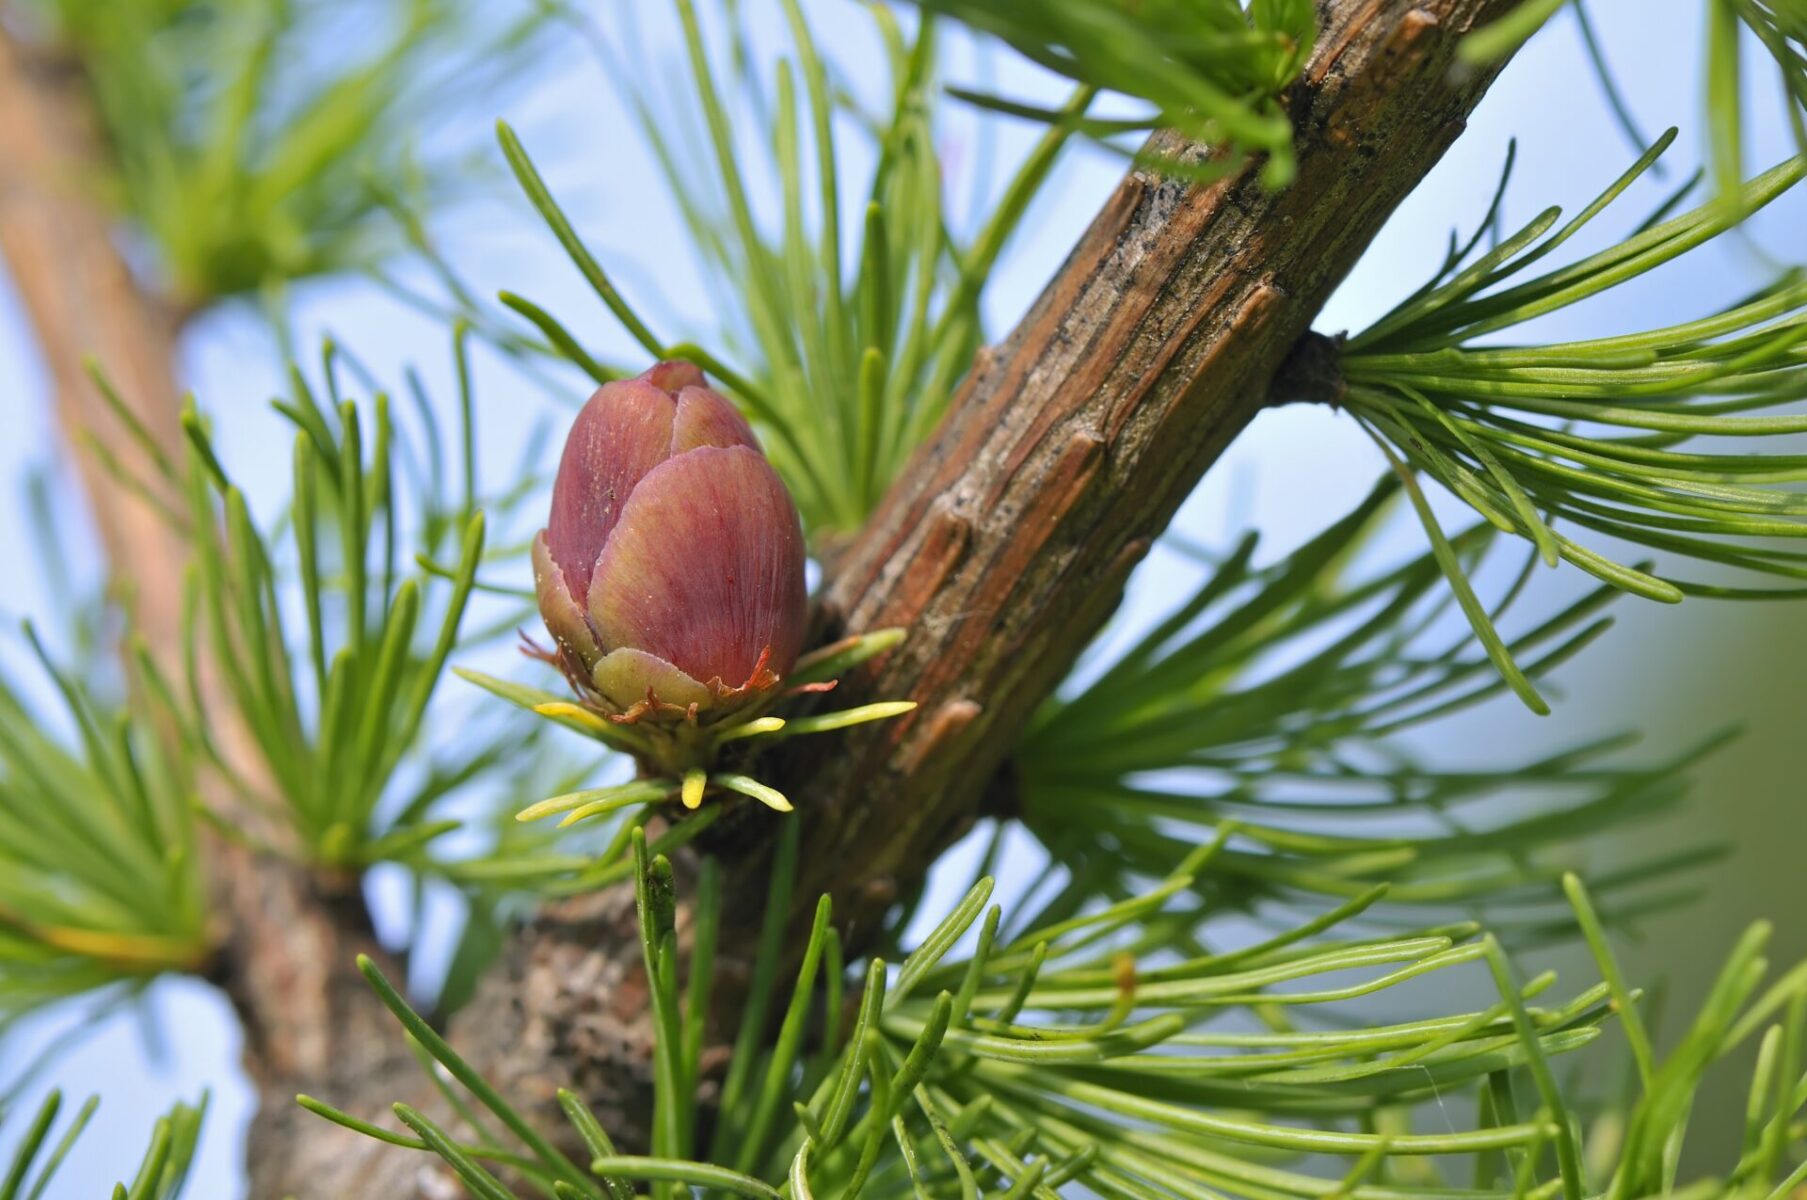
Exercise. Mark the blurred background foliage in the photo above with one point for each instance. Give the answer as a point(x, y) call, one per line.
point(315, 164)
point(1210, 69)
point(298, 127)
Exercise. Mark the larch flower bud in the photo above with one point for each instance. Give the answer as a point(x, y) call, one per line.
point(671, 570)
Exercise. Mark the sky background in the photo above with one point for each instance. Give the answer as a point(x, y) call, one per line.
point(1676, 673)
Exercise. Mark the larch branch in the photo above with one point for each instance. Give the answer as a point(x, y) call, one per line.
point(1003, 550)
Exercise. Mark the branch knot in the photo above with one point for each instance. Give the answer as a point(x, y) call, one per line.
point(1311, 372)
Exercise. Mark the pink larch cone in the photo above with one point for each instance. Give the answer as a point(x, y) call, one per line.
point(671, 570)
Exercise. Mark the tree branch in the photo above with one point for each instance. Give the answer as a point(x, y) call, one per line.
point(82, 299)
point(1003, 550)
point(1006, 545)
point(286, 939)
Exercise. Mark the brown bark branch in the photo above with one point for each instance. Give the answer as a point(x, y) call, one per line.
point(1006, 545)
point(1003, 550)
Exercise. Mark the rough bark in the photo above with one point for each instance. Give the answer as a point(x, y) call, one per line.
point(1003, 549)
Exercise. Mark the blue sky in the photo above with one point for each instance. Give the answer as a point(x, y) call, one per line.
point(1295, 470)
